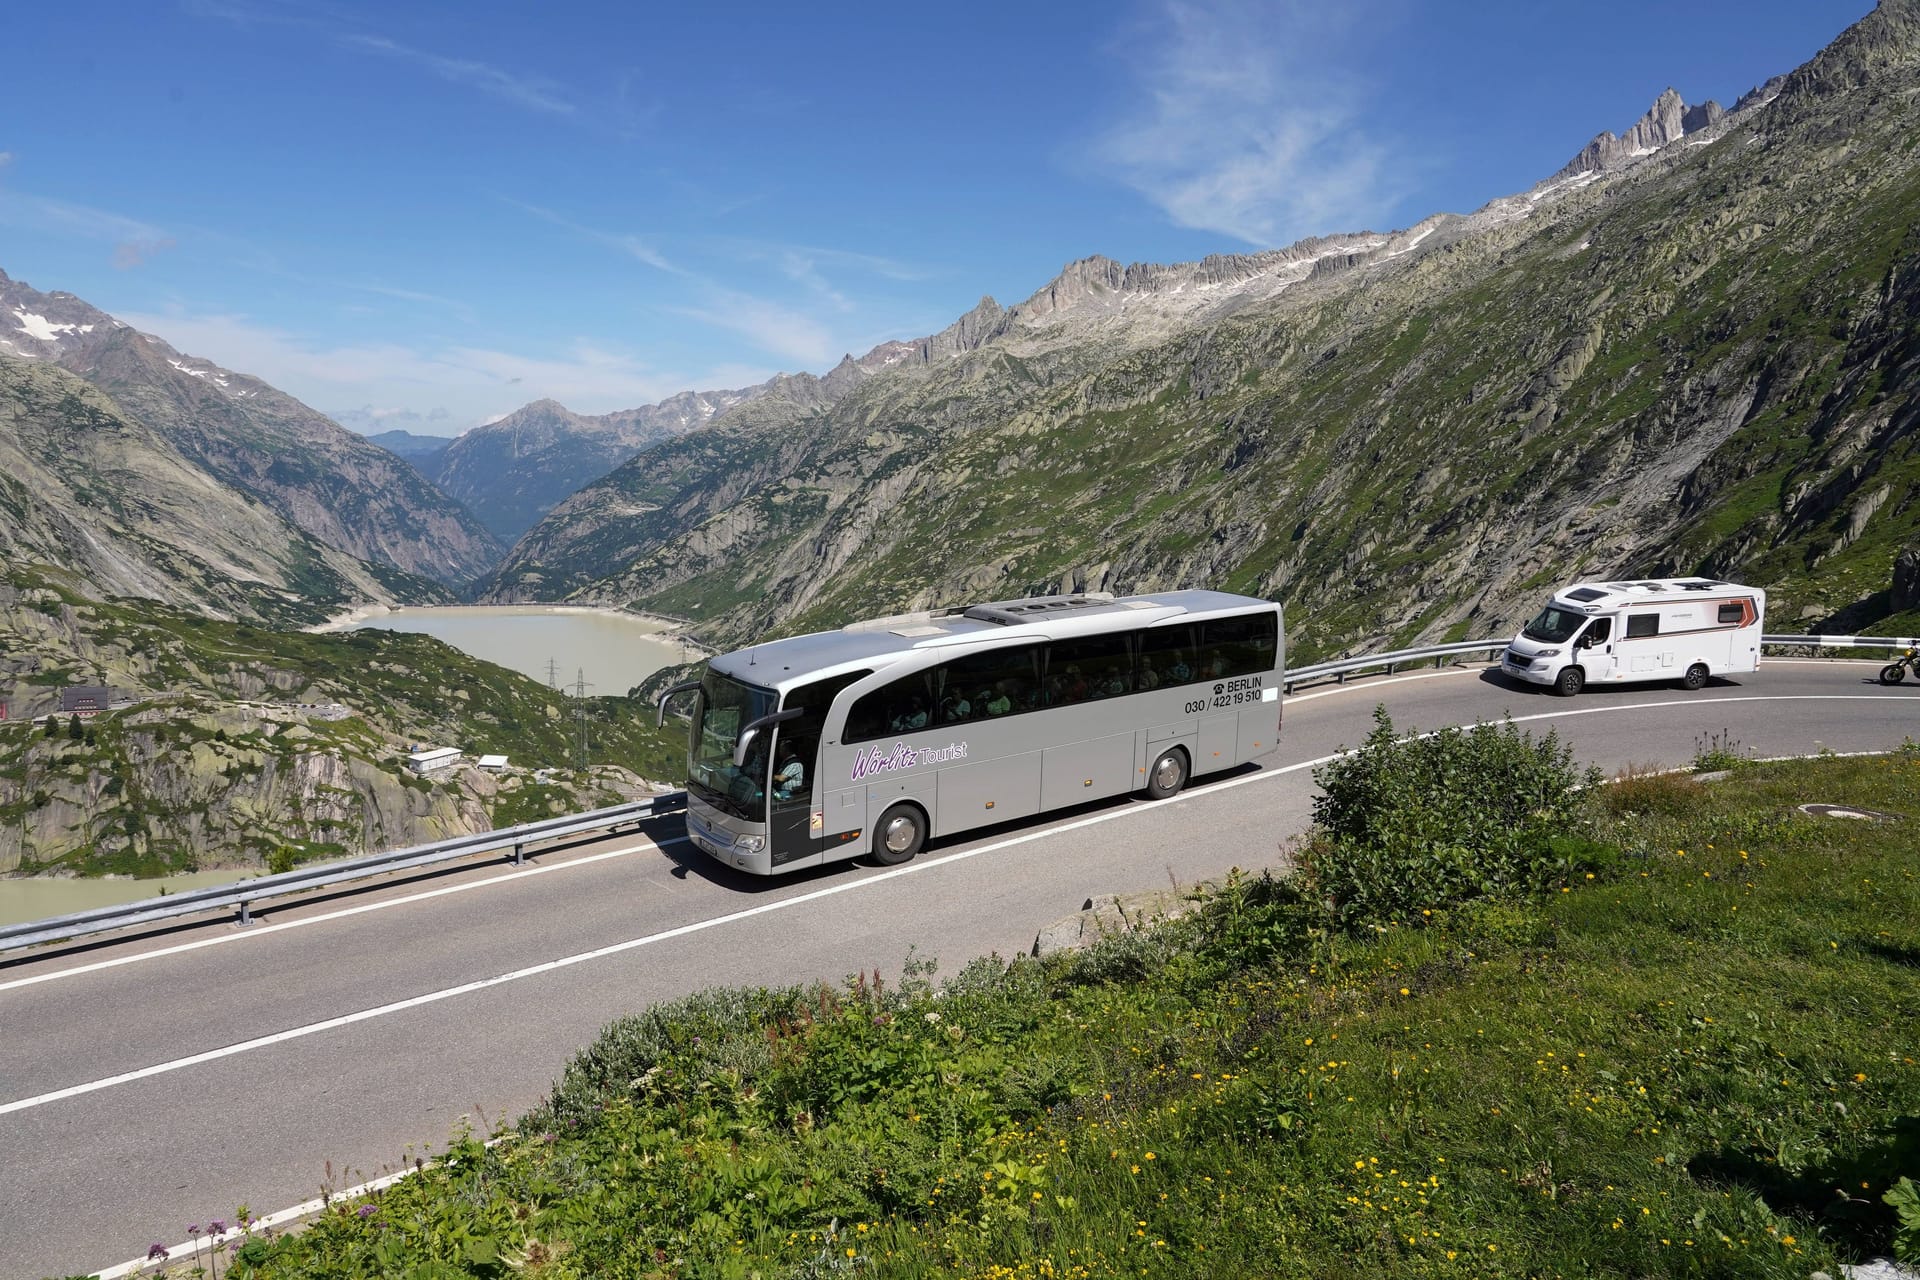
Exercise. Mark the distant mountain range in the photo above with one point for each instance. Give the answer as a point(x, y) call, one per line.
point(512, 472)
point(1690, 350)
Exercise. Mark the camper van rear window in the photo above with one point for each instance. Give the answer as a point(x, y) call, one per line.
point(1733, 612)
point(1643, 624)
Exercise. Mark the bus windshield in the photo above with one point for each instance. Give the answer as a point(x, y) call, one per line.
point(1554, 625)
point(727, 706)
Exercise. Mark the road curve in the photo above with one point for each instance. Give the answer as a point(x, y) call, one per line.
point(152, 1082)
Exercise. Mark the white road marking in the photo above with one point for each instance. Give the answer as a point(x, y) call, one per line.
point(917, 867)
point(262, 930)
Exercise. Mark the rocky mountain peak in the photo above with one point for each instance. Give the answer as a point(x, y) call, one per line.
point(1668, 120)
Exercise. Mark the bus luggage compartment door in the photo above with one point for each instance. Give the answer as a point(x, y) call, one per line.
point(1082, 771)
point(1219, 744)
point(973, 795)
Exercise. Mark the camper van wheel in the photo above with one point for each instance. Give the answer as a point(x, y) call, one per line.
point(1571, 680)
point(1168, 774)
point(898, 835)
point(1696, 677)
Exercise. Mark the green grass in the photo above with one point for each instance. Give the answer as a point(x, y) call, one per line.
point(1696, 1062)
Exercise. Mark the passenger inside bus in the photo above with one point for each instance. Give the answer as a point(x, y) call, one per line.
point(955, 708)
point(914, 717)
point(999, 702)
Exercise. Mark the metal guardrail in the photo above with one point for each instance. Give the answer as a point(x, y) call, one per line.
point(1341, 668)
point(243, 894)
point(247, 892)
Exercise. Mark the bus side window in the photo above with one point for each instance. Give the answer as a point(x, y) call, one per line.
point(902, 706)
point(1165, 657)
point(999, 682)
point(1242, 646)
point(1082, 670)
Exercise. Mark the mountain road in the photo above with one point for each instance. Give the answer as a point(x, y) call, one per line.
point(161, 1079)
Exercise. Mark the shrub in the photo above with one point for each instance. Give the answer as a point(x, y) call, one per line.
point(1411, 824)
point(719, 1030)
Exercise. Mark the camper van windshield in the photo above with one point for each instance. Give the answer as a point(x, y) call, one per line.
point(1554, 625)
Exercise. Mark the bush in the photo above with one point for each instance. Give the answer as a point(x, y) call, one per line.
point(718, 1030)
point(1411, 824)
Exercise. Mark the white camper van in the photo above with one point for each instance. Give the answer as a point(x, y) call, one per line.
point(1682, 629)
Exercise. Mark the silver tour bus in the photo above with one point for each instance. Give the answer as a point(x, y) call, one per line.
point(870, 739)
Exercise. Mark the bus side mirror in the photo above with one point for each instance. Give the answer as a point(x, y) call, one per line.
point(752, 730)
point(685, 686)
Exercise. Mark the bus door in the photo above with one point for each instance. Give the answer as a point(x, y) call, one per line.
point(795, 789)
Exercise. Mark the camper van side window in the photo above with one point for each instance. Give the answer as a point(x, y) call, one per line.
point(1733, 612)
point(1643, 624)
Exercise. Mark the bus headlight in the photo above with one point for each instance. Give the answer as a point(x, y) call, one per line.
point(750, 844)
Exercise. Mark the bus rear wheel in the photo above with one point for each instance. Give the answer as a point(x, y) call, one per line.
point(898, 835)
point(1570, 681)
point(1167, 774)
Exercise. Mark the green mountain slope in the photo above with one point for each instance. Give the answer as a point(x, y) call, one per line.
point(1703, 363)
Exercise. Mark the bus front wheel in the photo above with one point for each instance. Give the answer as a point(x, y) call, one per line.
point(1168, 774)
point(898, 835)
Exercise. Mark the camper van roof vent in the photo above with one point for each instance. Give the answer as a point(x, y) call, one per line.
point(1585, 594)
point(1701, 584)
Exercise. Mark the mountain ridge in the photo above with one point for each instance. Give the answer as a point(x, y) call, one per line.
point(1264, 364)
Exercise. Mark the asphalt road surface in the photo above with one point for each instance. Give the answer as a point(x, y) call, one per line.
point(162, 1079)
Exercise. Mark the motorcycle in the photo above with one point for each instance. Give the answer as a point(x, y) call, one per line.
point(1896, 671)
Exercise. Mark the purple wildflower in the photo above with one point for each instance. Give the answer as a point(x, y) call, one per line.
point(217, 1227)
point(156, 1252)
point(367, 1211)
point(194, 1231)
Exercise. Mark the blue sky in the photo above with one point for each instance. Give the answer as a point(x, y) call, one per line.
point(427, 214)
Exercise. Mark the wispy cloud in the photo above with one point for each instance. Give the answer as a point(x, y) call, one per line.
point(774, 327)
point(6, 158)
point(535, 93)
point(133, 241)
point(771, 326)
point(1244, 124)
point(530, 92)
point(632, 246)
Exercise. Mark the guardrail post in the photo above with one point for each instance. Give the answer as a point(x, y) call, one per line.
point(246, 911)
point(519, 851)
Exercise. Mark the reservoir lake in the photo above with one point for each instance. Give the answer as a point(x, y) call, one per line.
point(611, 651)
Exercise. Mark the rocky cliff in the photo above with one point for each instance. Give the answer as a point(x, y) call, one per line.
point(240, 745)
point(120, 511)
